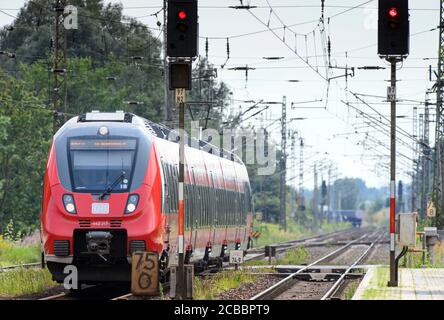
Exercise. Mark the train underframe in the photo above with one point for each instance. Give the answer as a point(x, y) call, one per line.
point(99, 260)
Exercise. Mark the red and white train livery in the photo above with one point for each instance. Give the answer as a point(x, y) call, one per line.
point(110, 189)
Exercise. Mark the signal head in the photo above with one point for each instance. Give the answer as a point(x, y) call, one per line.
point(393, 12)
point(182, 15)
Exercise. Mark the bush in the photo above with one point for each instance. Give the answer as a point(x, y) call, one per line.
point(24, 281)
point(12, 253)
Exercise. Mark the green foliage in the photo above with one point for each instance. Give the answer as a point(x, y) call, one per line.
point(272, 233)
point(102, 75)
point(295, 256)
point(376, 205)
point(101, 35)
point(9, 234)
point(205, 88)
point(346, 191)
point(266, 193)
point(209, 289)
point(14, 254)
point(350, 290)
point(24, 281)
point(26, 135)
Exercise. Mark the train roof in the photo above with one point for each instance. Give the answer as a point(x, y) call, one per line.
point(158, 130)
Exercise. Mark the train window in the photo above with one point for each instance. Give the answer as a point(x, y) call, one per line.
point(220, 211)
point(95, 170)
point(233, 210)
point(186, 196)
point(175, 188)
point(207, 206)
point(227, 192)
point(191, 197)
point(216, 204)
point(166, 202)
point(222, 207)
point(236, 205)
point(204, 206)
point(201, 207)
point(196, 202)
point(225, 207)
point(196, 215)
point(210, 206)
point(213, 202)
point(170, 187)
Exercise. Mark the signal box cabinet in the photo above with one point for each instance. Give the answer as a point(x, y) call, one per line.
point(407, 229)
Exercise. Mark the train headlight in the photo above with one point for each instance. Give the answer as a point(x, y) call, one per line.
point(131, 204)
point(68, 202)
point(103, 131)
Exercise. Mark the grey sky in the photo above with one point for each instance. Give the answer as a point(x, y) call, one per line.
point(353, 32)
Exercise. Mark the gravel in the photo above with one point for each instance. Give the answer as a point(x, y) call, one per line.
point(350, 255)
point(314, 290)
point(305, 290)
point(249, 290)
point(380, 255)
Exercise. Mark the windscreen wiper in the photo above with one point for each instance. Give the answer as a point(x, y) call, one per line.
point(112, 185)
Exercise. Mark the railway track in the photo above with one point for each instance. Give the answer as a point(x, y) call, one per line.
point(331, 287)
point(330, 293)
point(18, 266)
point(92, 292)
point(103, 291)
point(318, 240)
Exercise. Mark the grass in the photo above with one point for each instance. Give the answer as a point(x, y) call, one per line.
point(415, 259)
point(24, 281)
point(350, 290)
point(271, 233)
point(295, 256)
point(12, 254)
point(210, 289)
point(378, 285)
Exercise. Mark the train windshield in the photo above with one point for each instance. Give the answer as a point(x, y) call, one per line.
point(96, 164)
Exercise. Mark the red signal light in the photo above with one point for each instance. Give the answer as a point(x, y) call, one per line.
point(182, 15)
point(393, 12)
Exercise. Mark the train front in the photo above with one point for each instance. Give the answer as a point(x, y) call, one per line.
point(101, 200)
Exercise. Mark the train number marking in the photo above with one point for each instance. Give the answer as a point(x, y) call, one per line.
point(145, 274)
point(180, 96)
point(236, 256)
point(100, 208)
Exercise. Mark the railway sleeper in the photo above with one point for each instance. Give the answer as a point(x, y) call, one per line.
point(324, 277)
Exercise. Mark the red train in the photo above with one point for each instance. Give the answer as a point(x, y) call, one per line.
point(111, 188)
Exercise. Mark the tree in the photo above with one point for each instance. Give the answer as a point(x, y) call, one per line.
point(25, 135)
point(346, 193)
point(114, 63)
point(103, 33)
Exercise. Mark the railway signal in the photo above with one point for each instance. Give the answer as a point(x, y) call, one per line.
point(393, 45)
point(182, 31)
point(182, 47)
point(393, 28)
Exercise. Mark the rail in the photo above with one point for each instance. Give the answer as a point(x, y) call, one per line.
point(271, 291)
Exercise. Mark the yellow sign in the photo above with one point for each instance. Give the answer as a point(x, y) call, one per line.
point(180, 96)
point(145, 274)
point(431, 210)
